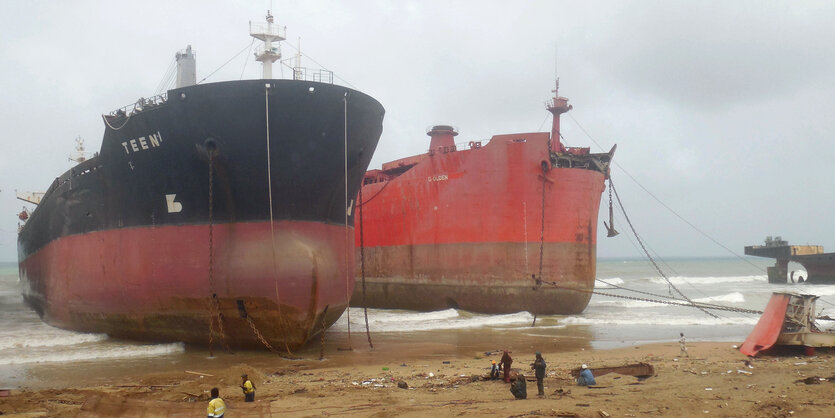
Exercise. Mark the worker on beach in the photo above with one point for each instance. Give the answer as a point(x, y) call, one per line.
point(539, 369)
point(519, 387)
point(494, 370)
point(506, 362)
point(248, 388)
point(216, 407)
point(586, 377)
point(683, 344)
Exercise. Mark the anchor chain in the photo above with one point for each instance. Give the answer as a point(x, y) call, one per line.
point(676, 302)
point(259, 335)
point(362, 270)
point(538, 278)
point(214, 305)
point(638, 238)
point(324, 327)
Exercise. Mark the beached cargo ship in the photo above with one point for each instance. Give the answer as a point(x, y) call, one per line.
point(505, 226)
point(214, 212)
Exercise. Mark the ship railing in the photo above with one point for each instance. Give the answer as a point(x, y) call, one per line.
point(309, 74)
point(263, 29)
point(140, 105)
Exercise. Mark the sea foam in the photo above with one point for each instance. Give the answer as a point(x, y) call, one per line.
point(106, 351)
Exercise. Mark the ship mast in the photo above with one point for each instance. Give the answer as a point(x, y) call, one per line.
point(557, 107)
point(79, 156)
point(268, 32)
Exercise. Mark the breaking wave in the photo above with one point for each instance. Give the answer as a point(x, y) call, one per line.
point(658, 320)
point(609, 283)
point(45, 336)
point(709, 279)
point(67, 354)
point(380, 320)
point(734, 297)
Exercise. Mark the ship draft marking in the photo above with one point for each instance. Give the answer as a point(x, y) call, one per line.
point(173, 206)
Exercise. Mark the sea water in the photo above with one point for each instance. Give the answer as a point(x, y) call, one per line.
point(33, 354)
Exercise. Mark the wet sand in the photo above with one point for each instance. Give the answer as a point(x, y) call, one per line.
point(714, 381)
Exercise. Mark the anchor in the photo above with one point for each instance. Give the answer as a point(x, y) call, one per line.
point(610, 227)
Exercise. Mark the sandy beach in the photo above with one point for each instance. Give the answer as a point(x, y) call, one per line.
point(714, 381)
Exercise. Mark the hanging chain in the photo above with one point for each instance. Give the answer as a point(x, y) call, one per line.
point(324, 327)
point(542, 229)
point(214, 305)
point(676, 302)
point(362, 269)
point(258, 334)
point(538, 279)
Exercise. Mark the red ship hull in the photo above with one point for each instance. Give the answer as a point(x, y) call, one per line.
point(464, 229)
point(153, 283)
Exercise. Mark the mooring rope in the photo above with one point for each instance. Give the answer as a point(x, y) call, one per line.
point(345, 177)
point(272, 220)
point(362, 270)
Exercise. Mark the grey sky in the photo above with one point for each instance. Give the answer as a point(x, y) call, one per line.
point(721, 109)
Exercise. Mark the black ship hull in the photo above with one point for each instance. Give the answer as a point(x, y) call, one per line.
point(220, 211)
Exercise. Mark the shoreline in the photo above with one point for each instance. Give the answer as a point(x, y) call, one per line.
point(714, 381)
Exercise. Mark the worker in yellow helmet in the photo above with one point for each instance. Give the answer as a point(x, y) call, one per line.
point(248, 388)
point(216, 407)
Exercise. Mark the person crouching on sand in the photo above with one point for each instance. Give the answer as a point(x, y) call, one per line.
point(216, 407)
point(494, 370)
point(248, 388)
point(586, 377)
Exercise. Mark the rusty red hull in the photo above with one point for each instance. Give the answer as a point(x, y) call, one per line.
point(470, 228)
point(154, 284)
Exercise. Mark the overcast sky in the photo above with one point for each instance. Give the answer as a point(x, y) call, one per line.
point(722, 110)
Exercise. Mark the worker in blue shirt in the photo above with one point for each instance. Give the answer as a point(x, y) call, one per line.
point(586, 378)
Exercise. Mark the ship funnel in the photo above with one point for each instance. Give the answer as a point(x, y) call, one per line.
point(442, 137)
point(186, 68)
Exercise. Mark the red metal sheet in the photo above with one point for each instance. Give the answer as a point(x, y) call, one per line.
point(768, 328)
point(153, 283)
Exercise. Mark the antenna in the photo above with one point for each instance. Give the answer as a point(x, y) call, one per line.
point(297, 72)
point(79, 155)
point(556, 54)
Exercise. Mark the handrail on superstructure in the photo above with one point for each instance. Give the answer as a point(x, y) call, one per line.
point(309, 74)
point(140, 105)
point(265, 28)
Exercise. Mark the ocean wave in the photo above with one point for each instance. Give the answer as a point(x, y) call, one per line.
point(610, 283)
point(624, 303)
point(658, 320)
point(400, 321)
point(709, 279)
point(734, 297)
point(88, 353)
point(45, 336)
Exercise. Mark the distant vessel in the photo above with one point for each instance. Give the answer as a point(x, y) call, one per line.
point(820, 266)
point(213, 213)
point(506, 226)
